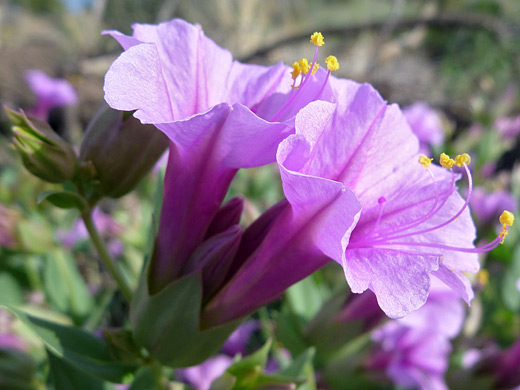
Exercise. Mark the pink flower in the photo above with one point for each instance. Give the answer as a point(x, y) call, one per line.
point(50, 93)
point(201, 376)
point(426, 125)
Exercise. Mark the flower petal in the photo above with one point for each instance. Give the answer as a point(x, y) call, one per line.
point(399, 279)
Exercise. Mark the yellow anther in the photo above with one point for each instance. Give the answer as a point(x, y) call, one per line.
point(462, 159)
point(332, 63)
point(296, 70)
point(425, 161)
point(317, 39)
point(446, 161)
point(507, 219)
point(315, 68)
point(304, 66)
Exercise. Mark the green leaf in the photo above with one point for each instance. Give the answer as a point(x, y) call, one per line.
point(63, 199)
point(65, 376)
point(510, 292)
point(10, 292)
point(298, 365)
point(224, 382)
point(257, 359)
point(289, 330)
point(307, 297)
point(65, 287)
point(144, 380)
point(168, 322)
point(17, 370)
point(79, 348)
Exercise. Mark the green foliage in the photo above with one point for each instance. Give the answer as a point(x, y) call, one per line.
point(78, 348)
point(63, 199)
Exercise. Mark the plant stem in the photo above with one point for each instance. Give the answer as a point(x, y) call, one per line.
point(109, 262)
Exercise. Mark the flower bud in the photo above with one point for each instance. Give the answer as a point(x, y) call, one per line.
point(121, 149)
point(44, 153)
point(228, 215)
point(214, 257)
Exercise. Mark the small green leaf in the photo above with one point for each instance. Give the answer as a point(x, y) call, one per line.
point(79, 348)
point(65, 287)
point(63, 199)
point(298, 365)
point(307, 297)
point(65, 376)
point(145, 380)
point(10, 292)
point(510, 292)
point(224, 382)
point(257, 359)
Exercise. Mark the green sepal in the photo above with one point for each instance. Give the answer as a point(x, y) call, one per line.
point(167, 323)
point(79, 348)
point(63, 199)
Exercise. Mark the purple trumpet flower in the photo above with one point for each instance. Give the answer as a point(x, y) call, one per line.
point(220, 115)
point(414, 350)
point(357, 194)
point(50, 93)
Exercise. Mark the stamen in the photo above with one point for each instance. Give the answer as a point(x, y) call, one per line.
point(317, 39)
point(304, 66)
point(332, 63)
point(303, 69)
point(387, 238)
point(425, 161)
point(296, 70)
point(462, 159)
point(434, 209)
point(506, 219)
point(446, 161)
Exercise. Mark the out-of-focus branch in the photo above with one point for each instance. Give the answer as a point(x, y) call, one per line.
point(469, 22)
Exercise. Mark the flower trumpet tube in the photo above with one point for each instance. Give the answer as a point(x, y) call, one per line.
point(220, 115)
point(357, 194)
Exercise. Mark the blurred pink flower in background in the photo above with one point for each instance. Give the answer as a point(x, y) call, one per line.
point(201, 375)
point(8, 339)
point(508, 127)
point(414, 350)
point(50, 93)
point(426, 125)
point(487, 206)
point(106, 226)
